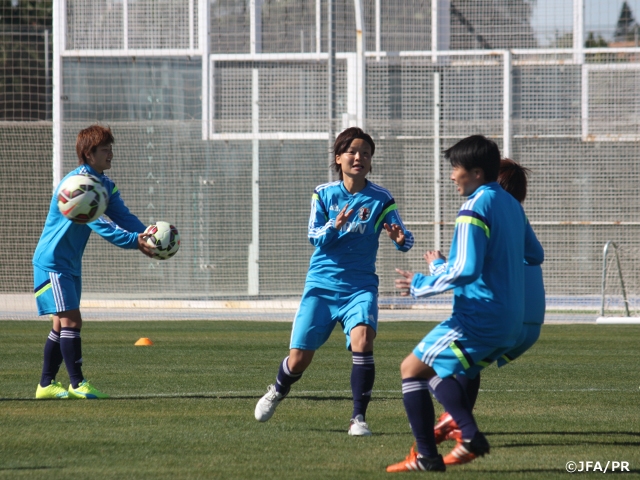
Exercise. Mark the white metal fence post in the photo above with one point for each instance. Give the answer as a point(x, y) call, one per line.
point(59, 35)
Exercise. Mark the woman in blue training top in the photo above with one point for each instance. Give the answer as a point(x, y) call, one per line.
point(347, 217)
point(57, 266)
point(513, 178)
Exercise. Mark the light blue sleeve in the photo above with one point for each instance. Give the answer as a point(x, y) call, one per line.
point(118, 212)
point(322, 230)
point(466, 260)
point(114, 234)
point(437, 266)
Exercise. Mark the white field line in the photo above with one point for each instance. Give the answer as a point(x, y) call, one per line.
point(300, 393)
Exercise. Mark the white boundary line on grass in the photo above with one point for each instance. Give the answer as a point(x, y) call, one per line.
point(618, 320)
point(343, 392)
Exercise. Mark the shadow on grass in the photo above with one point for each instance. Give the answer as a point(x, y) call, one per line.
point(9, 469)
point(583, 441)
point(565, 444)
point(633, 434)
point(535, 470)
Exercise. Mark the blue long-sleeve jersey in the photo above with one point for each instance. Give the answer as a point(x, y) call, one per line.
point(62, 242)
point(345, 260)
point(485, 268)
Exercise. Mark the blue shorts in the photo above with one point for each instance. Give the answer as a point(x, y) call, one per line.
point(449, 351)
point(56, 292)
point(320, 309)
point(528, 336)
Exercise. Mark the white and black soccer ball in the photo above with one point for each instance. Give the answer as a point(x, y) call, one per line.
point(82, 198)
point(165, 238)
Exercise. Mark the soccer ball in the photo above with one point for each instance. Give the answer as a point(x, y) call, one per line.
point(165, 238)
point(82, 198)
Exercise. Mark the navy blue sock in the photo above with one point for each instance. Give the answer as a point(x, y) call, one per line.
point(285, 378)
point(471, 386)
point(52, 359)
point(71, 347)
point(419, 408)
point(454, 400)
point(363, 374)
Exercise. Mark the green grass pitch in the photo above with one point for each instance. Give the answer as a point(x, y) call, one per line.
point(183, 408)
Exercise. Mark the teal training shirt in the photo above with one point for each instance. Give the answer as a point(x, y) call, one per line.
point(485, 268)
point(62, 242)
point(345, 260)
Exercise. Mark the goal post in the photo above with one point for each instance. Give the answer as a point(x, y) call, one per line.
point(619, 287)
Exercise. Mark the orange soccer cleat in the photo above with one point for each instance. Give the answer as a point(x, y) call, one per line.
point(455, 434)
point(466, 451)
point(416, 463)
point(444, 427)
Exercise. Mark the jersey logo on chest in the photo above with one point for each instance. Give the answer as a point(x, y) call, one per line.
point(364, 213)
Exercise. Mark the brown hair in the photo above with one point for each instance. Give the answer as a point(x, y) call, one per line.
point(91, 138)
point(343, 142)
point(513, 178)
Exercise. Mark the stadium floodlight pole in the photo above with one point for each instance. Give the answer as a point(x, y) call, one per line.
point(578, 31)
point(584, 102)
point(318, 27)
point(440, 40)
point(578, 58)
point(440, 29)
point(361, 65)
point(203, 46)
point(331, 79)
point(253, 274)
point(191, 25)
point(125, 25)
point(437, 208)
point(378, 29)
point(507, 93)
point(59, 31)
point(47, 78)
point(434, 30)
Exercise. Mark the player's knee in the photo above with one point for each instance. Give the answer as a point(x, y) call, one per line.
point(412, 367)
point(362, 337)
point(405, 368)
point(299, 360)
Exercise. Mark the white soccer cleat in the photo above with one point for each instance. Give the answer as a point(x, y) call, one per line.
point(358, 427)
point(266, 406)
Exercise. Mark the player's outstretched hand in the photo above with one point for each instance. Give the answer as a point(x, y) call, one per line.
point(342, 217)
point(404, 284)
point(395, 233)
point(432, 255)
point(143, 246)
